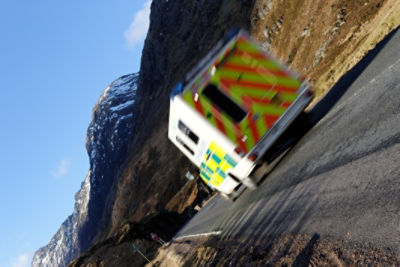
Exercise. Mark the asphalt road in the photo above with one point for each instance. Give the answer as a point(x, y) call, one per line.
point(341, 179)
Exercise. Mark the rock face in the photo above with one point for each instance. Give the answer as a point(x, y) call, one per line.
point(107, 139)
point(107, 145)
point(64, 245)
point(180, 33)
point(322, 40)
point(134, 170)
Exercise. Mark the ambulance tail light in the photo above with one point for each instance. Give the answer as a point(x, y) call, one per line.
point(253, 157)
point(239, 151)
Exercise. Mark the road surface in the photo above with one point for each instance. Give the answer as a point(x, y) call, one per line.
point(341, 180)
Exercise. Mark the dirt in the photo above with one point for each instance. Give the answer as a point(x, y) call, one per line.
point(283, 250)
point(155, 169)
point(117, 250)
point(322, 40)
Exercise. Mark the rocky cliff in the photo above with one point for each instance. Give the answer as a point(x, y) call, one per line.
point(180, 33)
point(321, 40)
point(65, 244)
point(107, 139)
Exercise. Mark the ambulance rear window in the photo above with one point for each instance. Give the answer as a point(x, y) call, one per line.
point(189, 133)
point(224, 103)
point(184, 145)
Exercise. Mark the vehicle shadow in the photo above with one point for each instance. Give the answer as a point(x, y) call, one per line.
point(307, 120)
point(259, 225)
point(343, 84)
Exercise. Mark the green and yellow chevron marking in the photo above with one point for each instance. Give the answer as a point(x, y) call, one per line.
point(267, 80)
point(246, 46)
point(256, 83)
point(237, 92)
point(264, 63)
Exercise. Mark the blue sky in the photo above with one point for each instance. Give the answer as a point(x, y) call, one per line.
point(56, 57)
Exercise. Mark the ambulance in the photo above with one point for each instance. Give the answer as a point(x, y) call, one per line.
point(231, 108)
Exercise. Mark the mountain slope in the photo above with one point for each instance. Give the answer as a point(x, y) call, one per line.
point(106, 143)
point(182, 32)
point(64, 245)
point(321, 41)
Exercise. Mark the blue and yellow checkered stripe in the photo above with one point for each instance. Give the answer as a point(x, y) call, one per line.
point(215, 164)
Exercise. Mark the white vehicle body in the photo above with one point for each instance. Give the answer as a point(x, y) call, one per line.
point(226, 146)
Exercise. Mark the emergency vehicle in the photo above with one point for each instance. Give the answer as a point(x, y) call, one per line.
point(231, 108)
